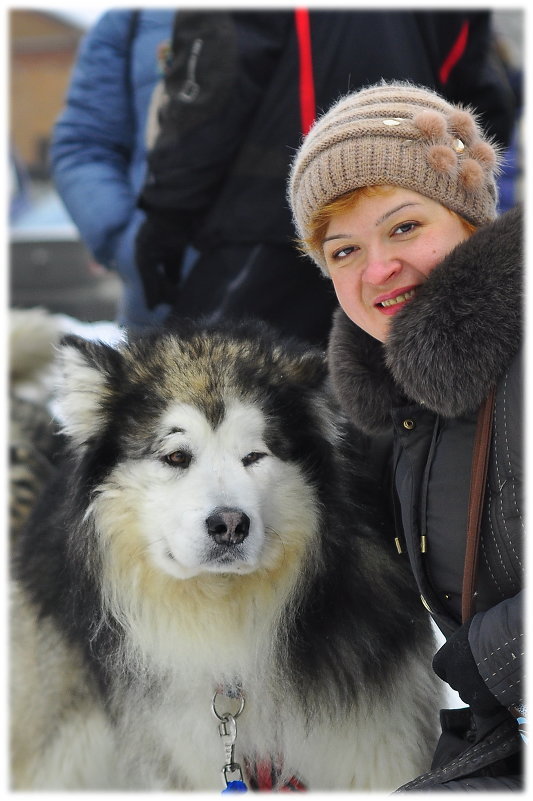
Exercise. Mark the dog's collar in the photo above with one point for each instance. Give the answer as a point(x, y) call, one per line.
point(265, 774)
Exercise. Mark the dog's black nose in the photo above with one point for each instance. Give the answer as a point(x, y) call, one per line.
point(228, 526)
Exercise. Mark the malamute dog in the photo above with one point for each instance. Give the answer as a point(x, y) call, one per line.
point(207, 590)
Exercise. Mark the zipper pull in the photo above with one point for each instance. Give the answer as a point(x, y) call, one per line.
point(191, 89)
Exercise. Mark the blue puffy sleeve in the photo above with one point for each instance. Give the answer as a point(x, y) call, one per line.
point(94, 137)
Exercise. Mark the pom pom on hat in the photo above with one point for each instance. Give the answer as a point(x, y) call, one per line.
point(442, 158)
point(485, 154)
point(471, 175)
point(431, 124)
point(462, 123)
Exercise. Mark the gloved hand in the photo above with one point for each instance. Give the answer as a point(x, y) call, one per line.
point(454, 663)
point(159, 248)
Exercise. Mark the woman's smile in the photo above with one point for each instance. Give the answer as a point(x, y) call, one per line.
point(393, 302)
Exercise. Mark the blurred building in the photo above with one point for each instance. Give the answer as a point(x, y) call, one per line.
point(43, 50)
point(49, 265)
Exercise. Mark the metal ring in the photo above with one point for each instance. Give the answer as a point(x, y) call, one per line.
point(224, 717)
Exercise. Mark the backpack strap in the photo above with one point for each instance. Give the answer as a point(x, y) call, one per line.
point(307, 83)
point(455, 54)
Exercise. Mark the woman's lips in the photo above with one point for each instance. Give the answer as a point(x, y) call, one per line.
point(394, 301)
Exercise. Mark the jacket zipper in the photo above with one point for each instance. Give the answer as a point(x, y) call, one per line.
point(190, 89)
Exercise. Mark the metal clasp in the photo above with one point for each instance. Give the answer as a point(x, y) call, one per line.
point(228, 734)
point(227, 729)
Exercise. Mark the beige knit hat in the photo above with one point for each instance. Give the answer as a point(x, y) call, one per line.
point(400, 134)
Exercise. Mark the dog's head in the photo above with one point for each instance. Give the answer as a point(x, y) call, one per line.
point(199, 453)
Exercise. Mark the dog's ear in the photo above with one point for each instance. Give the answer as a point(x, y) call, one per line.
point(86, 372)
point(307, 367)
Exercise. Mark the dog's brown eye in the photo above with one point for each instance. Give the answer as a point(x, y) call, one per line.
point(252, 457)
point(178, 459)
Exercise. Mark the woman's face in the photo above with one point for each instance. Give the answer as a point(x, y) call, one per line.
point(382, 249)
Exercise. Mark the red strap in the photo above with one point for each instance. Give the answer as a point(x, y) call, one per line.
point(458, 48)
point(293, 785)
point(264, 775)
point(265, 779)
point(307, 84)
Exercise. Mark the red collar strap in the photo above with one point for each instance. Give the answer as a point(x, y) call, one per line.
point(264, 775)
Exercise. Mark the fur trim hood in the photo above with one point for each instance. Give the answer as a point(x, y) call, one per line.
point(449, 345)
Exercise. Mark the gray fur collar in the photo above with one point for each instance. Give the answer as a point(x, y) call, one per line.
point(449, 345)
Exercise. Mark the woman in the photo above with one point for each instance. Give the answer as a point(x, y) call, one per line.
point(394, 197)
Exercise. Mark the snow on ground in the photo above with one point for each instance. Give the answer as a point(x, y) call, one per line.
point(452, 699)
point(103, 331)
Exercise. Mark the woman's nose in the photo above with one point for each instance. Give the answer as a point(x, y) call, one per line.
point(380, 268)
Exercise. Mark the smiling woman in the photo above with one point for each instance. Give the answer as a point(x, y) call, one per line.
point(394, 197)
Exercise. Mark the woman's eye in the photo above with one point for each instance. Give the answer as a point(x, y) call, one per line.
point(252, 457)
point(405, 228)
point(342, 252)
point(178, 459)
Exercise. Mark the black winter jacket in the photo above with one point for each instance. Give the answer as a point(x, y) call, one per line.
point(231, 125)
point(460, 335)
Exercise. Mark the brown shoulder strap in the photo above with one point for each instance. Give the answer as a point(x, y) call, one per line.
point(478, 481)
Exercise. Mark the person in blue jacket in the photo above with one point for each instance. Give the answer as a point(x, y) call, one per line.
point(98, 149)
